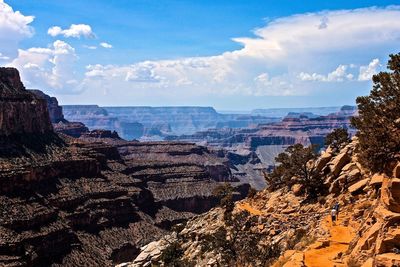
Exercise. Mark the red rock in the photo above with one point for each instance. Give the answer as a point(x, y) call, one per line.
point(390, 194)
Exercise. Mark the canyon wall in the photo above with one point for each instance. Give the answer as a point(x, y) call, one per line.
point(21, 112)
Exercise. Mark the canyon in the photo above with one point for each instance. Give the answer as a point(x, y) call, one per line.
point(74, 195)
point(96, 199)
point(251, 141)
point(155, 123)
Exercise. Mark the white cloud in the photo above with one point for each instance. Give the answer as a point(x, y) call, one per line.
point(14, 27)
point(75, 31)
point(270, 62)
point(91, 47)
point(106, 45)
point(366, 72)
point(48, 68)
point(2, 57)
point(278, 60)
point(340, 74)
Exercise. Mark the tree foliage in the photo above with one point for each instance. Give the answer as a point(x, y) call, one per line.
point(293, 169)
point(337, 138)
point(224, 193)
point(378, 122)
point(238, 244)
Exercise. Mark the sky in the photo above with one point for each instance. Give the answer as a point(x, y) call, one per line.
point(232, 55)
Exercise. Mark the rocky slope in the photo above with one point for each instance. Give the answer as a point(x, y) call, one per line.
point(93, 200)
point(367, 232)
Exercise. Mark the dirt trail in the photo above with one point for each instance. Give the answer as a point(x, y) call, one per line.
point(323, 252)
point(249, 208)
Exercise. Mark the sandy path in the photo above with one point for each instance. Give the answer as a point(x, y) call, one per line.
point(339, 239)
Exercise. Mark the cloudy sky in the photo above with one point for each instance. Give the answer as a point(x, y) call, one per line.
point(233, 55)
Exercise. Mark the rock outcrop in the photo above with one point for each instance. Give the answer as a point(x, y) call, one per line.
point(21, 112)
point(55, 111)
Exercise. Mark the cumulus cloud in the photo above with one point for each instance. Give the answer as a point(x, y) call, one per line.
point(366, 72)
point(91, 47)
point(48, 68)
point(279, 60)
point(75, 31)
point(14, 27)
point(340, 74)
point(106, 45)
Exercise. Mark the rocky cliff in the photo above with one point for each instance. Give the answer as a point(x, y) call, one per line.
point(301, 231)
point(55, 111)
point(21, 112)
point(93, 200)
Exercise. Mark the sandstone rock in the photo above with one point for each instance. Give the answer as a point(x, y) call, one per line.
point(387, 259)
point(355, 188)
point(390, 193)
point(376, 179)
point(297, 189)
point(367, 240)
point(338, 163)
point(349, 167)
point(353, 175)
point(390, 241)
point(368, 263)
point(296, 260)
point(323, 160)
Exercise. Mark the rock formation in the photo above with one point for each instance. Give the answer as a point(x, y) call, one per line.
point(93, 200)
point(55, 111)
point(21, 112)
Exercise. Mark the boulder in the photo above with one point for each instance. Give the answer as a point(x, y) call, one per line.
point(338, 163)
point(297, 189)
point(368, 238)
point(390, 194)
point(390, 241)
point(357, 187)
point(376, 179)
point(349, 167)
point(353, 175)
point(323, 160)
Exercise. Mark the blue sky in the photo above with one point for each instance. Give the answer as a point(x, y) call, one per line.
point(200, 52)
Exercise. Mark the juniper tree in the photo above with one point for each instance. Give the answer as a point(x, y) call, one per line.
point(337, 138)
point(378, 122)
